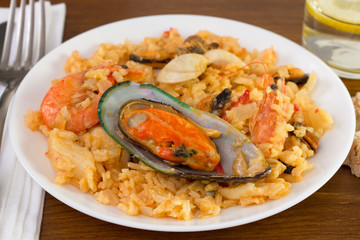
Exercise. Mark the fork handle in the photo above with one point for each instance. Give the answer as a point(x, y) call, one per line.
point(4, 105)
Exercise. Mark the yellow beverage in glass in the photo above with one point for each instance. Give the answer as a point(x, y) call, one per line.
point(331, 30)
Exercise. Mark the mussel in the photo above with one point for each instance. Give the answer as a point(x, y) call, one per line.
point(240, 159)
point(296, 75)
point(156, 59)
point(196, 44)
point(306, 136)
point(216, 104)
point(193, 44)
point(156, 127)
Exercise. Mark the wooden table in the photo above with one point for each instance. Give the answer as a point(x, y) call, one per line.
point(333, 212)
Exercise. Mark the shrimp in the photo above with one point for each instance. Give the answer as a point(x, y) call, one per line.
point(268, 127)
point(72, 103)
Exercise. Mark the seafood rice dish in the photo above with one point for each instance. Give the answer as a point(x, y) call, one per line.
point(180, 127)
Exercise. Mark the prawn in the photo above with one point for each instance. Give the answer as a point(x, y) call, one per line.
point(268, 126)
point(72, 106)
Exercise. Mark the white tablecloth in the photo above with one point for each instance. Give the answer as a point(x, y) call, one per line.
point(21, 198)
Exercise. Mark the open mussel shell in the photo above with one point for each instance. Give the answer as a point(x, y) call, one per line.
point(108, 111)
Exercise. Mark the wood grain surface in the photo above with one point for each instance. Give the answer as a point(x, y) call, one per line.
point(333, 212)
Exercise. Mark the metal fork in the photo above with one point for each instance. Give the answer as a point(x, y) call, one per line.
point(12, 74)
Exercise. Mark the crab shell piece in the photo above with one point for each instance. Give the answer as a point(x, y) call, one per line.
point(230, 143)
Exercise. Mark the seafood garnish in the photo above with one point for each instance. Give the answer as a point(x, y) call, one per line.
point(216, 104)
point(221, 57)
point(182, 68)
point(296, 75)
point(156, 59)
point(72, 103)
point(191, 65)
point(163, 131)
point(240, 159)
point(307, 137)
point(196, 44)
point(264, 124)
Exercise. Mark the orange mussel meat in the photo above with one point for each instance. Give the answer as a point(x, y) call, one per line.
point(172, 137)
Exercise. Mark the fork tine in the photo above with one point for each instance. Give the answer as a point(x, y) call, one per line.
point(20, 36)
point(30, 38)
point(8, 37)
point(42, 30)
point(12, 75)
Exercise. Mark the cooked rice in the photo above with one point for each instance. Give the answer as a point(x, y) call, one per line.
point(95, 164)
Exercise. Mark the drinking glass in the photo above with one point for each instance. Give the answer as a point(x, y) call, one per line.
point(331, 30)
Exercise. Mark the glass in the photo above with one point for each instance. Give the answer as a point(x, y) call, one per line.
point(331, 30)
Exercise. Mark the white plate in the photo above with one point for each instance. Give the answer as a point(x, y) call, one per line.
point(330, 93)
